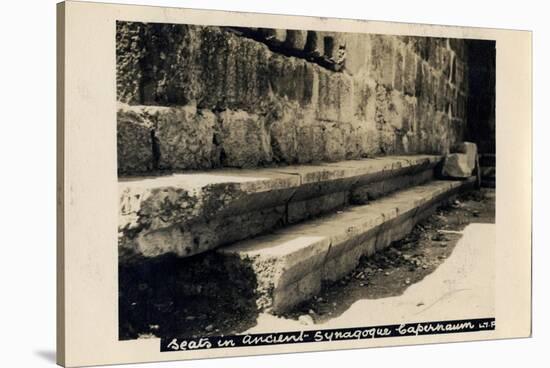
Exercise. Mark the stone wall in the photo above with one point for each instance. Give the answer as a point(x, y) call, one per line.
point(193, 97)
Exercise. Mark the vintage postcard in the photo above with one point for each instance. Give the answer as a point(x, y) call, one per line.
point(241, 184)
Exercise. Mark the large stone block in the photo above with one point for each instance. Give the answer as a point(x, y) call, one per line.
point(358, 51)
point(333, 137)
point(172, 65)
point(290, 265)
point(428, 88)
point(234, 72)
point(381, 60)
point(335, 101)
point(186, 138)
point(283, 131)
point(470, 150)
point(425, 119)
point(291, 78)
point(364, 98)
point(353, 140)
point(312, 207)
point(245, 139)
point(134, 143)
point(172, 138)
point(310, 143)
point(456, 165)
point(186, 239)
point(129, 53)
point(363, 194)
point(190, 213)
point(394, 112)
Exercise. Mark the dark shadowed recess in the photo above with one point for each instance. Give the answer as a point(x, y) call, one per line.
point(481, 101)
point(173, 296)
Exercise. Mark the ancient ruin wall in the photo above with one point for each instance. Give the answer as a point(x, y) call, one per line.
point(193, 97)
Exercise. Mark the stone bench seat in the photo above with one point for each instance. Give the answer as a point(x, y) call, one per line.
point(189, 213)
point(290, 264)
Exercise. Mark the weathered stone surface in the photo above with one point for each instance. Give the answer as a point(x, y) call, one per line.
point(335, 149)
point(384, 102)
point(395, 117)
point(381, 60)
point(358, 50)
point(364, 92)
point(291, 264)
point(292, 78)
point(310, 144)
point(176, 213)
point(245, 139)
point(399, 68)
point(157, 63)
point(129, 53)
point(186, 138)
point(378, 189)
point(335, 102)
point(174, 137)
point(470, 150)
point(186, 239)
point(134, 143)
point(190, 213)
point(283, 131)
point(456, 165)
point(234, 72)
point(299, 210)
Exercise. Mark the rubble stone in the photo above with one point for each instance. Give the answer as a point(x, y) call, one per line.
point(456, 165)
point(470, 150)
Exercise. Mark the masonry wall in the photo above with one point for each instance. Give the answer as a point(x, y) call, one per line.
point(193, 97)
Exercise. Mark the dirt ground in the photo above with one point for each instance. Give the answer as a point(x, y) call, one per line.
point(390, 272)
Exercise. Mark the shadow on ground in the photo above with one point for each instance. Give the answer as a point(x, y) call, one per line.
point(185, 297)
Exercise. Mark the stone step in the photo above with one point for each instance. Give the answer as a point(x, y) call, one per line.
point(290, 265)
point(189, 213)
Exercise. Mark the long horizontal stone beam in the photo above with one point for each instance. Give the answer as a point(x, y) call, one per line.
point(192, 212)
point(291, 264)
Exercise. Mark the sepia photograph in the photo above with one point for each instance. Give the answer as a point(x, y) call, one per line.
point(277, 180)
point(285, 184)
